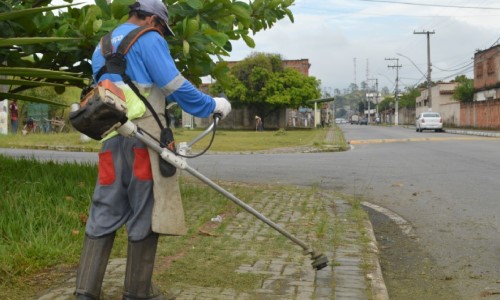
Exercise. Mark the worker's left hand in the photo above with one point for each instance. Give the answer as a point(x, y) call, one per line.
point(222, 106)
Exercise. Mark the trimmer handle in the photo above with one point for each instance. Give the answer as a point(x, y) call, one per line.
point(217, 116)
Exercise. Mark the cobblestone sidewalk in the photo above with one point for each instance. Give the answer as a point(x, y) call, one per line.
point(290, 276)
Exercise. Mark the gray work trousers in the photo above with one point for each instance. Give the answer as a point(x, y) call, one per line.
point(124, 190)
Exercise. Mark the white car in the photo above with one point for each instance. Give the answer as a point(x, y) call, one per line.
point(429, 121)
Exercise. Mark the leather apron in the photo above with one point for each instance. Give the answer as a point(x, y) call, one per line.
point(168, 212)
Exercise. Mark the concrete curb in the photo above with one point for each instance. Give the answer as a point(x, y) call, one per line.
point(379, 289)
point(473, 132)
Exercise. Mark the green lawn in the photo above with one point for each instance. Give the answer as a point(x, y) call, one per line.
point(225, 140)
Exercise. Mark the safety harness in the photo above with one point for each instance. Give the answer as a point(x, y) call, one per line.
point(117, 64)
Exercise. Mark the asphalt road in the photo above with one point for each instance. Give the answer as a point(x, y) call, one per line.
point(446, 186)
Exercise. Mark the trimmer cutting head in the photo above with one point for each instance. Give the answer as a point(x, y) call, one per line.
point(319, 261)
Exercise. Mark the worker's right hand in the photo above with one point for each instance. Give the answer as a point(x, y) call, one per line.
point(222, 106)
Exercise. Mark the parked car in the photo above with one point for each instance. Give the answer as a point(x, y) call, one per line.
point(363, 121)
point(429, 121)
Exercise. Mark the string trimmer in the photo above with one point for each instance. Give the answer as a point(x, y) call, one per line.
point(103, 114)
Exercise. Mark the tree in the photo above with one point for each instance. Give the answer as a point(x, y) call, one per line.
point(464, 91)
point(409, 98)
point(261, 81)
point(23, 65)
point(385, 91)
point(203, 31)
point(352, 88)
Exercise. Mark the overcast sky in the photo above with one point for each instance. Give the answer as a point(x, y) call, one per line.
point(334, 33)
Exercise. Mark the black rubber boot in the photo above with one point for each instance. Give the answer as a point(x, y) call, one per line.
point(93, 263)
point(140, 264)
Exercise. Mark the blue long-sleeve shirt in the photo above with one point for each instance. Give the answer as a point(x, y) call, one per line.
point(149, 62)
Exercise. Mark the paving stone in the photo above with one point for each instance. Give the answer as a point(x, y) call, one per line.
point(350, 294)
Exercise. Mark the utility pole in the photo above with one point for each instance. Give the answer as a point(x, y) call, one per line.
point(376, 95)
point(367, 100)
point(429, 65)
point(396, 93)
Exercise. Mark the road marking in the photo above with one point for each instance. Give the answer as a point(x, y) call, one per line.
point(404, 225)
point(427, 139)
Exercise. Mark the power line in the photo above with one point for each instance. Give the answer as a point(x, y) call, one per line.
point(434, 5)
point(453, 70)
point(465, 70)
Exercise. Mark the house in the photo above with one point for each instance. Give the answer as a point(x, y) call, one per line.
point(442, 102)
point(486, 74)
point(484, 111)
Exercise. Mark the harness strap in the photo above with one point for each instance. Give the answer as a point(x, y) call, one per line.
point(116, 64)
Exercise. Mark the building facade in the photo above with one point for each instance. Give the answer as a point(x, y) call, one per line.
point(442, 102)
point(486, 74)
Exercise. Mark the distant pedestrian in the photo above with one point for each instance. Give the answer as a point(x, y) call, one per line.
point(258, 124)
point(14, 115)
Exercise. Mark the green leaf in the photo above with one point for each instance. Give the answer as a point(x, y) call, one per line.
point(62, 30)
point(241, 9)
point(185, 47)
point(220, 39)
point(248, 40)
point(290, 15)
point(30, 99)
point(196, 4)
point(119, 8)
point(105, 8)
point(191, 27)
point(97, 25)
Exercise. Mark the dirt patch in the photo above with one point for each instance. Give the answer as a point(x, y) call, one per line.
point(409, 271)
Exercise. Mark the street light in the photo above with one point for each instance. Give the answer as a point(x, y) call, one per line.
point(399, 54)
point(427, 76)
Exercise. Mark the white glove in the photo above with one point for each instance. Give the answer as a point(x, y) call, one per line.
point(222, 106)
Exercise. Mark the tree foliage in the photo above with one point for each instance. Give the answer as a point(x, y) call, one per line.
point(204, 31)
point(387, 103)
point(409, 97)
point(262, 81)
point(464, 91)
